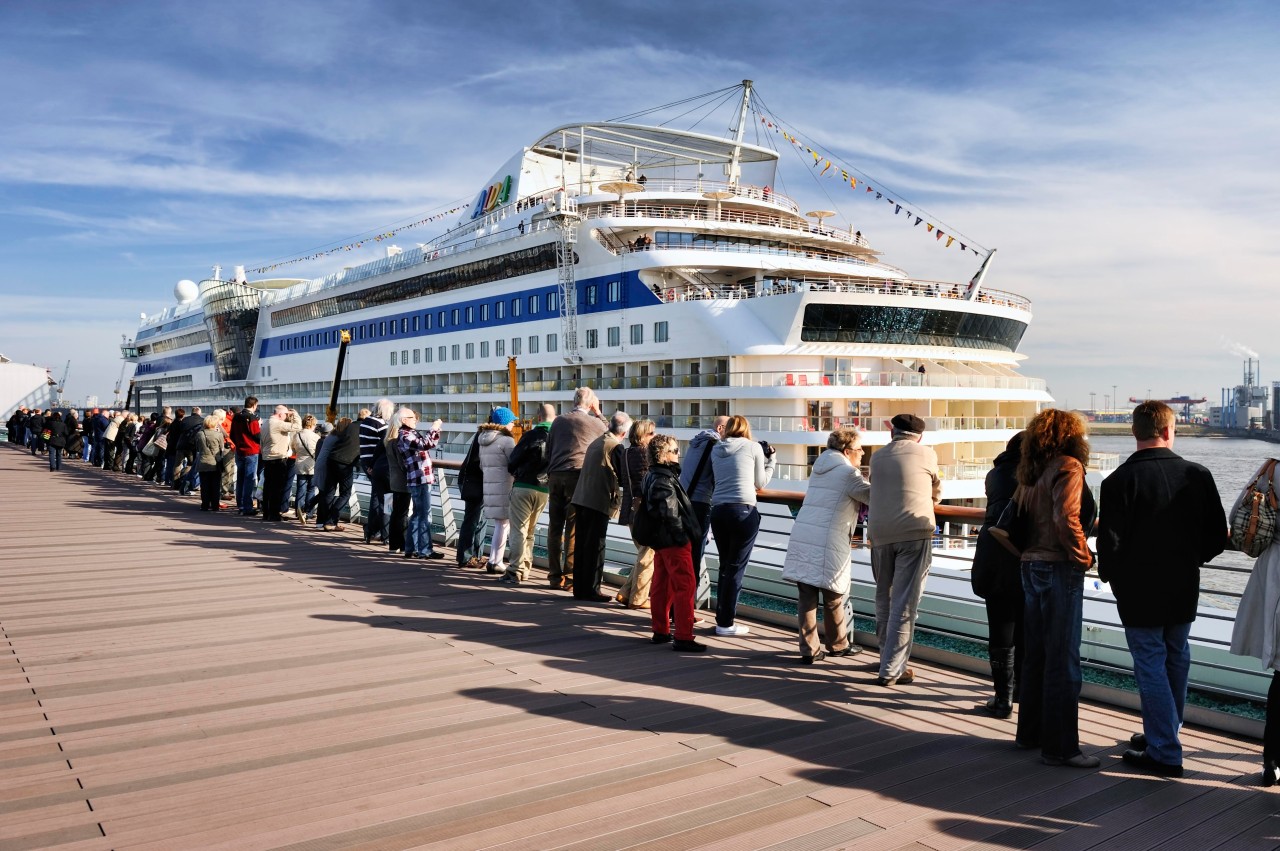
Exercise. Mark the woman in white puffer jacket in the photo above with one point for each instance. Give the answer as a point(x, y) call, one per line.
point(495, 445)
point(818, 552)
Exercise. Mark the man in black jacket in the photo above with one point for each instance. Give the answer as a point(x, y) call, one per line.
point(1161, 519)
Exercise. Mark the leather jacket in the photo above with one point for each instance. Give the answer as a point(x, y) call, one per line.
point(1052, 507)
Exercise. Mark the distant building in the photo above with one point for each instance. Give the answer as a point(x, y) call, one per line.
point(25, 384)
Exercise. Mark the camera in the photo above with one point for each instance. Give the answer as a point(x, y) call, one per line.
point(767, 448)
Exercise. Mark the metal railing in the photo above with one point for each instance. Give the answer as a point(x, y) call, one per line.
point(819, 378)
point(870, 286)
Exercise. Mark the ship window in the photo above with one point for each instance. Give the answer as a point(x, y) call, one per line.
point(361, 332)
point(382, 329)
point(593, 338)
point(455, 352)
point(427, 321)
point(839, 323)
point(393, 358)
point(553, 302)
point(552, 342)
point(637, 335)
point(471, 351)
point(500, 309)
point(615, 335)
point(592, 294)
point(515, 347)
point(533, 304)
point(280, 345)
point(453, 319)
point(533, 344)
point(660, 332)
point(484, 312)
point(417, 355)
point(442, 352)
point(615, 291)
point(471, 315)
point(500, 348)
point(515, 307)
point(404, 356)
point(484, 348)
point(426, 355)
point(415, 323)
point(440, 323)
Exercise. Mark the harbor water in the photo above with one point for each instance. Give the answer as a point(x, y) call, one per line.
point(1233, 462)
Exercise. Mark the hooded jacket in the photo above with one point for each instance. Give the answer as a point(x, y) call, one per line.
point(528, 462)
point(818, 551)
point(701, 444)
point(495, 445)
point(740, 470)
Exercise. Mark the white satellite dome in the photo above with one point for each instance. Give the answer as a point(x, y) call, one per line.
point(186, 291)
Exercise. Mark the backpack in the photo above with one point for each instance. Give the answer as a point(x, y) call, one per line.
point(1253, 522)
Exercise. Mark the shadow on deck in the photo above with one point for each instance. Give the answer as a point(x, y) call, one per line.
point(179, 680)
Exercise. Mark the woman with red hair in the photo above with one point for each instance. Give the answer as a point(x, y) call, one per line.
point(1055, 556)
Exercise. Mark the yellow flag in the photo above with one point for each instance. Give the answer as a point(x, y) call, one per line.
point(950, 240)
point(824, 168)
point(929, 227)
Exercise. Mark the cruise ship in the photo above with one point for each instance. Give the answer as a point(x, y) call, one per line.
point(659, 266)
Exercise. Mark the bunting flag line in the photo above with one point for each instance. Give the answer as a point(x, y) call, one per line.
point(352, 246)
point(829, 165)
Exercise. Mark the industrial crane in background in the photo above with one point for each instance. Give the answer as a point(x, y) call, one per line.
point(62, 385)
point(117, 401)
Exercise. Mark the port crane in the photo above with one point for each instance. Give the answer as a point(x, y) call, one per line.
point(119, 400)
point(62, 385)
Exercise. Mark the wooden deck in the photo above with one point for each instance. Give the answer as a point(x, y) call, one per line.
point(180, 680)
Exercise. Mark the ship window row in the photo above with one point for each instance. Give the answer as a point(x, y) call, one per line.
point(524, 262)
point(187, 321)
point(195, 338)
point(467, 351)
point(858, 323)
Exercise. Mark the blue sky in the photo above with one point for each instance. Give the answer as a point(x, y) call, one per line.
point(1119, 156)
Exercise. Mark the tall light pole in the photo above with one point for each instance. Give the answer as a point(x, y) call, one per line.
point(1093, 406)
point(1115, 403)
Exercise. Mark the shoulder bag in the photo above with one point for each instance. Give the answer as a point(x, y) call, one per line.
point(1253, 522)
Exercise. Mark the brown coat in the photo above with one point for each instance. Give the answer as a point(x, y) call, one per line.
point(1053, 504)
point(598, 483)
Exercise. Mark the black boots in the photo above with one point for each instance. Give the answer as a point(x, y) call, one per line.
point(1004, 676)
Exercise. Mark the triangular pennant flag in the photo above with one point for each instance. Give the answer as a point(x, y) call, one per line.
point(853, 183)
point(869, 189)
point(929, 228)
point(878, 196)
point(897, 208)
point(918, 221)
point(824, 168)
point(950, 240)
point(938, 235)
point(962, 246)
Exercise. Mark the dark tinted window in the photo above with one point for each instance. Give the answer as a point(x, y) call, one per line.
point(914, 326)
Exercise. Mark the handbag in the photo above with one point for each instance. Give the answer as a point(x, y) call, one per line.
point(161, 441)
point(1253, 521)
point(150, 450)
point(1010, 531)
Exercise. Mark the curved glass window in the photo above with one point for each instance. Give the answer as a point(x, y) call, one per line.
point(913, 326)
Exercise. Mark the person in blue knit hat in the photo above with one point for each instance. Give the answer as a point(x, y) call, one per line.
point(502, 416)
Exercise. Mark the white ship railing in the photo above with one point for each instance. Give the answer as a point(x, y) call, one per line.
point(820, 378)
point(636, 209)
point(882, 286)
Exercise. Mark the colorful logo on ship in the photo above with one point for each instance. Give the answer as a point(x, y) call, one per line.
point(492, 197)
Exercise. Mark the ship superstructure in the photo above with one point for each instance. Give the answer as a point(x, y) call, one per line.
point(657, 265)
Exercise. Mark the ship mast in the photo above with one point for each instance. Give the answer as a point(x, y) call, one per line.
point(734, 168)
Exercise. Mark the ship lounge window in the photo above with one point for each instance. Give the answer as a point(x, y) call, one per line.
point(500, 348)
point(593, 338)
point(484, 313)
point(593, 294)
point(515, 307)
point(864, 323)
point(515, 347)
point(615, 335)
point(637, 335)
point(500, 309)
point(660, 332)
point(471, 315)
point(615, 291)
point(442, 352)
point(455, 352)
point(471, 351)
point(552, 343)
point(533, 305)
point(553, 302)
point(484, 348)
point(533, 344)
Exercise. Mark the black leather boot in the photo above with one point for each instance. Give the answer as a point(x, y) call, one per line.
point(1003, 676)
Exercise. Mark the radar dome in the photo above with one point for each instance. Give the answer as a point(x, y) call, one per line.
point(186, 291)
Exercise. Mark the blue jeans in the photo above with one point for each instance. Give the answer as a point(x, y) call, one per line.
point(337, 495)
point(246, 480)
point(1161, 661)
point(55, 458)
point(471, 534)
point(1050, 704)
point(303, 491)
point(418, 534)
point(735, 525)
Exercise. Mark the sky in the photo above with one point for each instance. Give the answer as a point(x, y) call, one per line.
point(1120, 157)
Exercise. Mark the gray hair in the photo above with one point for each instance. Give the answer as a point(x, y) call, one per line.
point(384, 408)
point(843, 438)
point(583, 397)
point(619, 422)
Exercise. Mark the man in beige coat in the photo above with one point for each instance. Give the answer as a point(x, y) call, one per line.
point(906, 486)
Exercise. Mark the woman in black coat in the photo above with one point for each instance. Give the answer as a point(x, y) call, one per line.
point(57, 440)
point(997, 578)
point(665, 520)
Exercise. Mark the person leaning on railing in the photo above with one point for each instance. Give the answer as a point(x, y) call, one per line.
point(818, 551)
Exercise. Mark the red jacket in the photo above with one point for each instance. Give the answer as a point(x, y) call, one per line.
point(245, 433)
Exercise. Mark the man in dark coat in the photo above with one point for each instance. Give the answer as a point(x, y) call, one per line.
point(1161, 519)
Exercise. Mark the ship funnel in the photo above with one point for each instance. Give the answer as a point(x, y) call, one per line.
point(239, 276)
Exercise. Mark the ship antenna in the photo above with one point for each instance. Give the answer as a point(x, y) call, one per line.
point(734, 167)
point(971, 292)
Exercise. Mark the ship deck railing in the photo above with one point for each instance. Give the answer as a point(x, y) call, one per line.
point(701, 210)
point(773, 285)
point(816, 378)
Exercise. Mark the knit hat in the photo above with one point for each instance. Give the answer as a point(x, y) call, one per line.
point(324, 427)
point(501, 416)
point(908, 422)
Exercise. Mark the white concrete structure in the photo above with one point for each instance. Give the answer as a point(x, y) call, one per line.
point(24, 384)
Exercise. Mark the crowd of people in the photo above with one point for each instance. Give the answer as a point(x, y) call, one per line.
point(1161, 519)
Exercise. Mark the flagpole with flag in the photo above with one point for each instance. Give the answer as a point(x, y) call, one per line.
point(971, 292)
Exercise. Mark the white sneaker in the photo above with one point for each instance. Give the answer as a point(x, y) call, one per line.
point(736, 629)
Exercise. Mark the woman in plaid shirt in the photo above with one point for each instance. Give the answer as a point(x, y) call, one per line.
point(414, 450)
